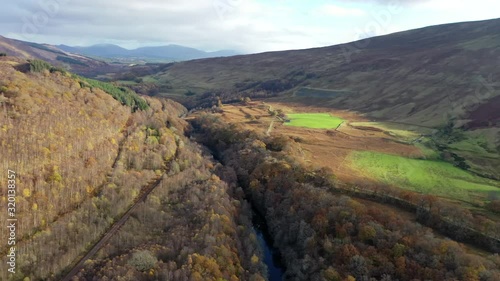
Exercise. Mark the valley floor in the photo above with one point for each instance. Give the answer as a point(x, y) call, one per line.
point(333, 148)
point(363, 152)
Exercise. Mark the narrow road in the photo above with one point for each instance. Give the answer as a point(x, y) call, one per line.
point(268, 132)
point(114, 228)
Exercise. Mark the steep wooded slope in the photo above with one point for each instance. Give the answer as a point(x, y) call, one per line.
point(81, 159)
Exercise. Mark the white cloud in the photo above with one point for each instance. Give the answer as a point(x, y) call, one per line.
point(462, 10)
point(334, 10)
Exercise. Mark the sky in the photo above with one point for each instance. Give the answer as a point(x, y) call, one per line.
point(247, 26)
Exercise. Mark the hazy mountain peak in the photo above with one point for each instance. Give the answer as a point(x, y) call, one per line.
point(173, 52)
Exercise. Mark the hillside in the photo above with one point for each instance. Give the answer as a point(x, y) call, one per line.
point(436, 77)
point(422, 76)
point(82, 166)
point(76, 63)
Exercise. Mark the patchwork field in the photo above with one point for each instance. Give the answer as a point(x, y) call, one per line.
point(366, 151)
point(314, 120)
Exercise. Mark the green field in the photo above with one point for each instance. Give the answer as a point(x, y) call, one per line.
point(426, 176)
point(314, 120)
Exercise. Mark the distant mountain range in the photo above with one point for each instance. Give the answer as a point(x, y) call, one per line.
point(169, 52)
point(76, 63)
point(101, 59)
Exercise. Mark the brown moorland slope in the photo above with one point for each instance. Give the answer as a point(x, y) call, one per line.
point(424, 76)
point(443, 77)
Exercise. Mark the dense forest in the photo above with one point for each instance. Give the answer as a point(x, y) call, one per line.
point(194, 227)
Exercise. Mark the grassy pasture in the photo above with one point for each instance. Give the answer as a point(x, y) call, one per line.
point(426, 176)
point(314, 120)
point(476, 144)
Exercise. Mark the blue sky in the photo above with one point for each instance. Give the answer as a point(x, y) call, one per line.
point(244, 25)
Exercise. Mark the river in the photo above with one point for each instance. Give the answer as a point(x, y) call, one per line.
point(272, 258)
